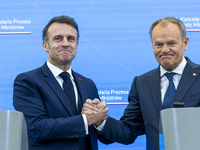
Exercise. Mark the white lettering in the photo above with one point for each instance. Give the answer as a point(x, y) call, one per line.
point(118, 92)
point(110, 98)
point(6, 21)
point(107, 98)
point(189, 19)
point(6, 27)
point(104, 92)
point(15, 21)
point(196, 24)
point(189, 25)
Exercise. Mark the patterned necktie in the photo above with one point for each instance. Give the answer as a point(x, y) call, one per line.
point(169, 95)
point(68, 88)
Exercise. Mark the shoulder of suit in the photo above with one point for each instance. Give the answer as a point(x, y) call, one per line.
point(192, 64)
point(31, 73)
point(149, 73)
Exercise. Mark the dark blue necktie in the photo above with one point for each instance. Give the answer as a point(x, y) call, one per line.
point(169, 95)
point(68, 88)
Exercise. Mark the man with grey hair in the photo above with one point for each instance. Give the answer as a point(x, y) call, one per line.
point(176, 79)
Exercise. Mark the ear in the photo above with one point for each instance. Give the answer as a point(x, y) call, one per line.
point(45, 46)
point(186, 43)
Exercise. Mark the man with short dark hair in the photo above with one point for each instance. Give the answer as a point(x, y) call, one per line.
point(51, 97)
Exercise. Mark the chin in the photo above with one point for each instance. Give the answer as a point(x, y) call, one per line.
point(167, 66)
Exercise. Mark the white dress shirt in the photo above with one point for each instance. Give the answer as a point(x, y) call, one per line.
point(164, 82)
point(56, 71)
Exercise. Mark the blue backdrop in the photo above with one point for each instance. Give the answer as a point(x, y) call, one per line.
point(114, 44)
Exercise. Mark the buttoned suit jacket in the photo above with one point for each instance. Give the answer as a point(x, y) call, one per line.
point(143, 111)
point(52, 123)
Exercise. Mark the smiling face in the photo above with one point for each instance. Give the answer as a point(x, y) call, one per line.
point(168, 45)
point(62, 45)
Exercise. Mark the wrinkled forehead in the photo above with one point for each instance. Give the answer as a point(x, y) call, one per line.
point(166, 23)
point(61, 29)
point(166, 27)
point(165, 33)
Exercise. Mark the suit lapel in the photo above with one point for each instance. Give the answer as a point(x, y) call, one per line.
point(82, 88)
point(154, 85)
point(189, 75)
point(53, 83)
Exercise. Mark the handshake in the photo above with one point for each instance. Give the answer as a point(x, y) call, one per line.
point(96, 111)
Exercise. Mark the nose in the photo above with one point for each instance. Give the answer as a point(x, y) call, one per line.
point(65, 42)
point(165, 49)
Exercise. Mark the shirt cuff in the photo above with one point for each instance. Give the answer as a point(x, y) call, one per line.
point(100, 127)
point(85, 123)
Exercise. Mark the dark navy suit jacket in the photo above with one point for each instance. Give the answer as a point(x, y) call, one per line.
point(51, 122)
point(143, 111)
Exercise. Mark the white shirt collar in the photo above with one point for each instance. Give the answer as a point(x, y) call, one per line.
point(56, 71)
point(178, 70)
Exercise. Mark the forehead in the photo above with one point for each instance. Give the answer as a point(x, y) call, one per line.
point(62, 29)
point(166, 30)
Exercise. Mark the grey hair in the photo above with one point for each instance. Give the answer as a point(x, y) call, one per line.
point(166, 20)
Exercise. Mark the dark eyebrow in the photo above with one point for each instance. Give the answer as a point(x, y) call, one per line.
point(158, 42)
point(71, 36)
point(57, 36)
point(172, 41)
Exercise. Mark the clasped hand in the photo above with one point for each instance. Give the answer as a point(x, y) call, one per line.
point(95, 111)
